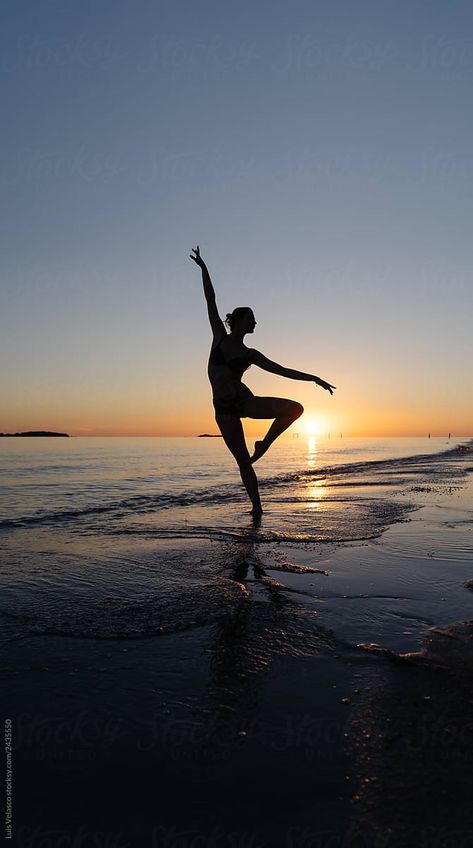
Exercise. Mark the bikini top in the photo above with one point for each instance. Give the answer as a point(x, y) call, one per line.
point(238, 364)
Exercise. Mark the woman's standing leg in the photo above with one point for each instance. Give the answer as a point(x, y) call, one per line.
point(232, 431)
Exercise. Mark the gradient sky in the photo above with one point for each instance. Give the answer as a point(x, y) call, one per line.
point(319, 151)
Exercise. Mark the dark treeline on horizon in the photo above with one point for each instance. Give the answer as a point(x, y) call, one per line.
point(35, 433)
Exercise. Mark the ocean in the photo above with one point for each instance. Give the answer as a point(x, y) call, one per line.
point(103, 482)
point(132, 537)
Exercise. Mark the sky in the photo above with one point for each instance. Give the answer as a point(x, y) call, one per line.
point(318, 151)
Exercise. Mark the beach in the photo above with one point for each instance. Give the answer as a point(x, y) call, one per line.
point(177, 676)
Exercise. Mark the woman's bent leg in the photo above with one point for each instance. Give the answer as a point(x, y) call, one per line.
point(277, 427)
point(285, 412)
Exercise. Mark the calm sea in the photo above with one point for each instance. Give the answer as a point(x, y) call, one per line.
point(132, 537)
point(57, 480)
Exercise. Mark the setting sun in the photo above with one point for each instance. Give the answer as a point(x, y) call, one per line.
point(315, 426)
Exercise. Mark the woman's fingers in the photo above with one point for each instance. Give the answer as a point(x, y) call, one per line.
point(197, 258)
point(328, 386)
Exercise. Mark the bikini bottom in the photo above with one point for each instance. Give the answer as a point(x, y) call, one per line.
point(233, 404)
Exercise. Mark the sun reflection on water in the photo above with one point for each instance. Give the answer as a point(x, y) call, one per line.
point(311, 451)
point(315, 491)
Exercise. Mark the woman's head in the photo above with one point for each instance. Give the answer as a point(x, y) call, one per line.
point(242, 319)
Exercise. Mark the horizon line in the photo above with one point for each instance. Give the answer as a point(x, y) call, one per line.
point(334, 435)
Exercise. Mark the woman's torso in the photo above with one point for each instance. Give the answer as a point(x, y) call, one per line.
point(227, 363)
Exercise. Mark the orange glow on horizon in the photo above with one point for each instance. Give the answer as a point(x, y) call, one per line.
point(179, 403)
point(121, 419)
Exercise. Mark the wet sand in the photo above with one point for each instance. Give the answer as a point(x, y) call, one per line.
point(329, 705)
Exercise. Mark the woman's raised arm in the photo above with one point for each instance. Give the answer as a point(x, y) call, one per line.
point(216, 322)
point(208, 287)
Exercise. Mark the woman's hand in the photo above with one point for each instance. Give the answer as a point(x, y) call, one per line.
point(197, 258)
point(324, 385)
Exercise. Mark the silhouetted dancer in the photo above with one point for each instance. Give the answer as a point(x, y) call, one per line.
point(232, 400)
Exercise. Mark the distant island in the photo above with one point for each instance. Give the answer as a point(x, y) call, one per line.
point(35, 433)
point(210, 436)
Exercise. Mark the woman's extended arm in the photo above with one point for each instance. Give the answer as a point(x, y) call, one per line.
point(208, 287)
point(216, 322)
point(261, 361)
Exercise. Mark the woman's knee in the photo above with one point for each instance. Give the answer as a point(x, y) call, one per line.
point(298, 409)
point(293, 409)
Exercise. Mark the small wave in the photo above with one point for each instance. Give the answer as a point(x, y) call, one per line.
point(449, 648)
point(137, 504)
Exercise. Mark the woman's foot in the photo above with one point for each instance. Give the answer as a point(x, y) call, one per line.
point(260, 449)
point(257, 511)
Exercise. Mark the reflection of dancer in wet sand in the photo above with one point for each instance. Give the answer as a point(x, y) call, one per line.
point(232, 400)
